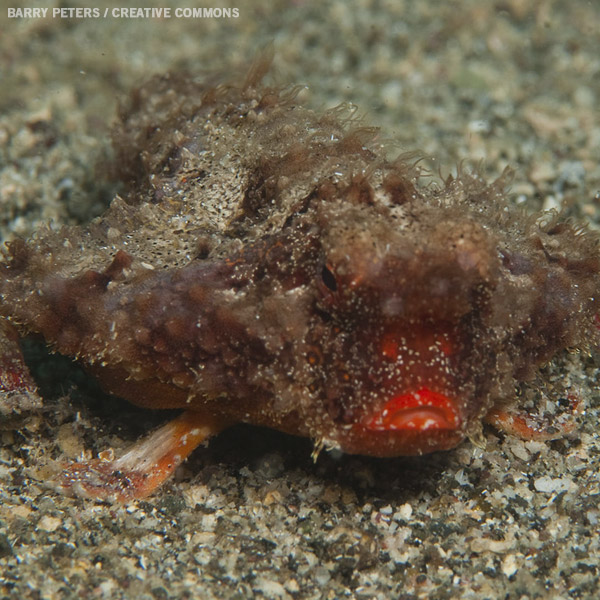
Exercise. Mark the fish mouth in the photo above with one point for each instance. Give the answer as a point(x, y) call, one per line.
point(423, 410)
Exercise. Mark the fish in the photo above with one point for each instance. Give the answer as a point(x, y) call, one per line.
point(269, 264)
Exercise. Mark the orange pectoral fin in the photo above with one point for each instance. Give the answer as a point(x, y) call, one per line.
point(147, 464)
point(526, 426)
point(18, 392)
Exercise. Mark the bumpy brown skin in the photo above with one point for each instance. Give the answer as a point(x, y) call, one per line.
point(268, 265)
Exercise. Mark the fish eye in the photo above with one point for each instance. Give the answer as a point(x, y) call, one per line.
point(328, 279)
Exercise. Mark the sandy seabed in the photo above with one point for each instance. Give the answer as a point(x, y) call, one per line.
point(251, 515)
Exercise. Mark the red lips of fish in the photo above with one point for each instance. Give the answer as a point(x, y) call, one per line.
point(414, 423)
point(423, 410)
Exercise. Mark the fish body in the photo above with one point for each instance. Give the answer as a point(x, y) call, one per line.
point(267, 264)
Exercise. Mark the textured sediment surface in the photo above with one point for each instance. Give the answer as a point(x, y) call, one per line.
point(252, 515)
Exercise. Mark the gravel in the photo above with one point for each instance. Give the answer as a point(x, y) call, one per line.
point(251, 515)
